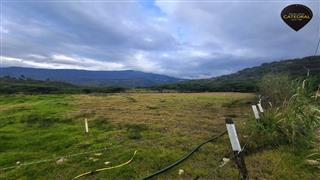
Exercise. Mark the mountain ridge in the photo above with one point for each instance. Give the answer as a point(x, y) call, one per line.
point(125, 78)
point(242, 81)
point(246, 80)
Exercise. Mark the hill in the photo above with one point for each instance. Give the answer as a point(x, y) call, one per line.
point(13, 85)
point(127, 78)
point(246, 79)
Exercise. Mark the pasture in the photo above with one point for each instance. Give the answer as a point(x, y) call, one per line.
point(162, 127)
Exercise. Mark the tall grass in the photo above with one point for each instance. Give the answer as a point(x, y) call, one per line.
point(277, 89)
point(292, 116)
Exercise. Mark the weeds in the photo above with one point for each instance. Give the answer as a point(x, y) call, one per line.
point(292, 116)
point(313, 159)
point(276, 88)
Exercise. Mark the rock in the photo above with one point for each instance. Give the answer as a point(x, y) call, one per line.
point(225, 159)
point(181, 172)
point(61, 160)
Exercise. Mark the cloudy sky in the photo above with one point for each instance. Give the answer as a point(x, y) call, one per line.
point(186, 39)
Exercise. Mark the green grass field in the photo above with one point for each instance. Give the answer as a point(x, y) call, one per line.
point(162, 127)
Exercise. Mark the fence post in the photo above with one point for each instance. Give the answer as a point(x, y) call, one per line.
point(235, 144)
point(255, 111)
point(86, 125)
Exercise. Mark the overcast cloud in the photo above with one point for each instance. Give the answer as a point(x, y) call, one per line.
point(181, 39)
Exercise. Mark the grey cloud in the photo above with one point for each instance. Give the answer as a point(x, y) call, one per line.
point(182, 39)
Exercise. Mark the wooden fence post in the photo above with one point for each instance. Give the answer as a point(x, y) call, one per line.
point(235, 144)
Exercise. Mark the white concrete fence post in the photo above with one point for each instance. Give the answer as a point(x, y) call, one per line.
point(232, 132)
point(255, 111)
point(235, 144)
point(260, 107)
point(86, 125)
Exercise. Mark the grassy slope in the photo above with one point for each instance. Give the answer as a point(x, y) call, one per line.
point(162, 127)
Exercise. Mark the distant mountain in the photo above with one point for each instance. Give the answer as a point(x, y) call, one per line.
point(12, 85)
point(246, 79)
point(126, 78)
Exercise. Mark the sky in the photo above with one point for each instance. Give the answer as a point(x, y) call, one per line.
point(184, 39)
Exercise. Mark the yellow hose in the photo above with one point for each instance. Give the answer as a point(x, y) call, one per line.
point(107, 168)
